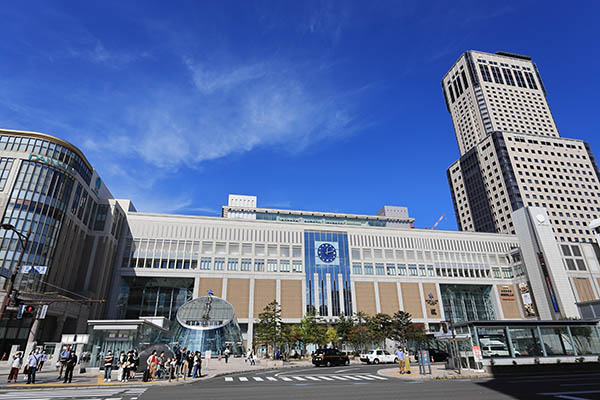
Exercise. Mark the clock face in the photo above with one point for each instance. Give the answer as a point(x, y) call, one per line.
point(327, 252)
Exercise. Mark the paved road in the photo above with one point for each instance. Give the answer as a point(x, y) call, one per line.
point(363, 382)
point(117, 393)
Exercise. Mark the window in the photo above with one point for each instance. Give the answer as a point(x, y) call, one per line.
point(259, 265)
point(530, 80)
point(297, 266)
point(219, 264)
point(356, 268)
point(497, 75)
point(368, 269)
point(296, 252)
point(390, 269)
point(5, 166)
point(430, 270)
point(245, 265)
point(412, 270)
point(379, 270)
point(402, 269)
point(421, 270)
point(519, 78)
point(284, 266)
point(205, 263)
point(508, 77)
point(464, 78)
point(271, 265)
point(232, 264)
point(485, 73)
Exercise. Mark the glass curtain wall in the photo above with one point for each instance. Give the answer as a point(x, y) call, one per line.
point(467, 302)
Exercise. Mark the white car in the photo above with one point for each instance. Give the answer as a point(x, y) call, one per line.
point(378, 357)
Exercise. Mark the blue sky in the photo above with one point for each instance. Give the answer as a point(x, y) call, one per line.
point(317, 105)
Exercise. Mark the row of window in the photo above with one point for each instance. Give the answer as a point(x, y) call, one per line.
point(218, 264)
point(49, 149)
point(506, 76)
point(440, 270)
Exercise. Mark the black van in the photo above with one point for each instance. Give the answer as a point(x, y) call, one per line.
point(329, 357)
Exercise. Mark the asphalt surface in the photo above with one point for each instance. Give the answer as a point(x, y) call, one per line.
point(360, 382)
point(343, 383)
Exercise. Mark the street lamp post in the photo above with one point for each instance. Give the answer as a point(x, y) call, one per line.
point(24, 240)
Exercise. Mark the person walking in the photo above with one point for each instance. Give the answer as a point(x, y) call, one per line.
point(185, 366)
point(152, 361)
point(227, 352)
point(121, 364)
point(190, 363)
point(32, 364)
point(62, 359)
point(108, 365)
point(44, 358)
point(178, 360)
point(406, 362)
point(15, 366)
point(69, 367)
point(400, 357)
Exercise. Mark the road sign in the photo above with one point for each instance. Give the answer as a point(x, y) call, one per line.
point(43, 311)
point(477, 353)
point(35, 269)
point(21, 311)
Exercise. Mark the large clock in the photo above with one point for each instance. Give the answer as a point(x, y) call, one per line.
point(327, 252)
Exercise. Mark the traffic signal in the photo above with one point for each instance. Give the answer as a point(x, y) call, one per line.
point(29, 309)
point(26, 310)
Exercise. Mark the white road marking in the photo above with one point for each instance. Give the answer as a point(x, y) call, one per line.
point(298, 378)
point(271, 379)
point(312, 378)
point(339, 378)
point(352, 377)
point(365, 377)
point(258, 378)
point(243, 379)
point(326, 378)
point(377, 377)
point(285, 378)
point(229, 379)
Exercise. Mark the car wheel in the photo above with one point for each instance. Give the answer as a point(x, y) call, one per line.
point(376, 361)
point(328, 363)
point(395, 360)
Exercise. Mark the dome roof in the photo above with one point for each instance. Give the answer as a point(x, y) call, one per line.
point(206, 312)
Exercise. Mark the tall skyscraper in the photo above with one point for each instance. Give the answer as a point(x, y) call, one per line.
point(511, 152)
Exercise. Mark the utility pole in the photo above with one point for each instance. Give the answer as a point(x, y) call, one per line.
point(24, 240)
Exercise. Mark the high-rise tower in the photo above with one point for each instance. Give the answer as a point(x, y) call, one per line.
point(511, 152)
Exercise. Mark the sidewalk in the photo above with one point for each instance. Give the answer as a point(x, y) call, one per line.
point(438, 371)
point(48, 377)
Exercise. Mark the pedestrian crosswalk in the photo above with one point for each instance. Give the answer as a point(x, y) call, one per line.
point(304, 378)
point(74, 394)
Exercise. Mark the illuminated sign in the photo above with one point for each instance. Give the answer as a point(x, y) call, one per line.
point(51, 161)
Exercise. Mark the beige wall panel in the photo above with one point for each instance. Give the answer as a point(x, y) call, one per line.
point(432, 311)
point(291, 299)
point(264, 293)
point(388, 297)
point(510, 306)
point(411, 298)
point(238, 294)
point(584, 289)
point(365, 298)
point(216, 284)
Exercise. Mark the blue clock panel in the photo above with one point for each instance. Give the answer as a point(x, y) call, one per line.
point(327, 253)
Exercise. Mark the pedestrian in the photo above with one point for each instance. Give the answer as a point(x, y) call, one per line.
point(178, 360)
point(44, 358)
point(130, 365)
point(219, 355)
point(15, 366)
point(184, 365)
point(190, 363)
point(252, 358)
point(70, 366)
point(406, 362)
point(126, 366)
point(62, 359)
point(108, 365)
point(134, 363)
point(121, 363)
point(400, 357)
point(32, 364)
point(195, 367)
point(152, 361)
point(227, 351)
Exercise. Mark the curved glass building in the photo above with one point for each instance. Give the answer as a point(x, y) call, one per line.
point(208, 323)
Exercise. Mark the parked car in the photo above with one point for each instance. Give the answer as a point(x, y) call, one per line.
point(329, 357)
point(378, 356)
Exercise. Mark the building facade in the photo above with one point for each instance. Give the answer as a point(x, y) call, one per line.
point(511, 152)
point(50, 193)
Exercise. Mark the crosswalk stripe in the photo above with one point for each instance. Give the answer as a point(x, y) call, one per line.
point(298, 378)
point(312, 378)
point(229, 379)
point(339, 378)
point(377, 377)
point(285, 378)
point(326, 378)
point(272, 379)
point(365, 377)
point(352, 377)
point(243, 379)
point(258, 378)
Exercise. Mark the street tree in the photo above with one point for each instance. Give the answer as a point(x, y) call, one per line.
point(343, 327)
point(312, 331)
point(267, 329)
point(401, 327)
point(380, 326)
point(331, 336)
